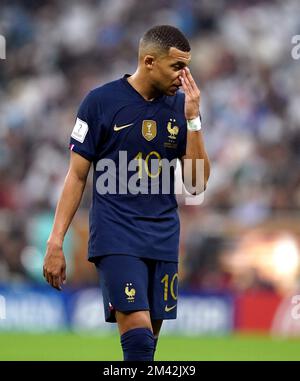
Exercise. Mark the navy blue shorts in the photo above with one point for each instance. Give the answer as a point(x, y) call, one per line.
point(130, 283)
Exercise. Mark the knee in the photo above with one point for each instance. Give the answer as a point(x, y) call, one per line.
point(132, 320)
point(138, 344)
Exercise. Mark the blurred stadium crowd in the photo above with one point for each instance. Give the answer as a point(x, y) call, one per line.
point(250, 85)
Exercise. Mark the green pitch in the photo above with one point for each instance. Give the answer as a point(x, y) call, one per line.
point(70, 346)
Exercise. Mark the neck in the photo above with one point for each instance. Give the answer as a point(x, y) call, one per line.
point(140, 83)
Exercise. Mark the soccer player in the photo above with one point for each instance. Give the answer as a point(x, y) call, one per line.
point(129, 127)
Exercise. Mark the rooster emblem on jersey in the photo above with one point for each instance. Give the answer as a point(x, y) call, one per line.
point(173, 131)
point(130, 292)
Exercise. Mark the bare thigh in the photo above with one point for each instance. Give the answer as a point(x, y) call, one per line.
point(137, 319)
point(132, 320)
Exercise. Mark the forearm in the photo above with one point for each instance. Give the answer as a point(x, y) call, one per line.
point(195, 163)
point(66, 208)
point(196, 176)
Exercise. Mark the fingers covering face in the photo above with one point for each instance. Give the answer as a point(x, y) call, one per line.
point(189, 85)
point(185, 83)
point(190, 79)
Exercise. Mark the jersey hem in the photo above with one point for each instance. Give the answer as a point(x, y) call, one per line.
point(93, 256)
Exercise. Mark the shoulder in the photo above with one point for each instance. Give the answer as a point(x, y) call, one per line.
point(98, 97)
point(108, 89)
point(104, 97)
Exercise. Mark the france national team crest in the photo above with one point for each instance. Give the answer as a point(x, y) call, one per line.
point(130, 292)
point(149, 129)
point(173, 130)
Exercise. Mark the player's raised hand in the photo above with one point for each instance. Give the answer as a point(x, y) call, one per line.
point(54, 269)
point(192, 94)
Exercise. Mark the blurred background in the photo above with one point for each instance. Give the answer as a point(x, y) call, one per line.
point(239, 252)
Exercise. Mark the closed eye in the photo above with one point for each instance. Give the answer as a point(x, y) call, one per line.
point(178, 66)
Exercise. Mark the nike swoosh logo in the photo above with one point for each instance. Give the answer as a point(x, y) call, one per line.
point(168, 309)
point(118, 128)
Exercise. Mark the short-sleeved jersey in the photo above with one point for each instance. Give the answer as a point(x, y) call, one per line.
point(116, 126)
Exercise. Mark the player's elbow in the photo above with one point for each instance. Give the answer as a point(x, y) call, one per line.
point(196, 186)
point(195, 181)
point(195, 191)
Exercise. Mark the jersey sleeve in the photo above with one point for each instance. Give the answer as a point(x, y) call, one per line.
point(86, 134)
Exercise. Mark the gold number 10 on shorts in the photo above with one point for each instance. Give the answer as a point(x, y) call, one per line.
point(173, 292)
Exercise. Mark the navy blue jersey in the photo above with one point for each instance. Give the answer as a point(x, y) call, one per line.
point(131, 211)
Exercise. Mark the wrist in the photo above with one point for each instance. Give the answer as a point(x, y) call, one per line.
point(192, 116)
point(55, 242)
point(194, 124)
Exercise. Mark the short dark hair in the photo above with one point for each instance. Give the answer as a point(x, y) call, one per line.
point(166, 37)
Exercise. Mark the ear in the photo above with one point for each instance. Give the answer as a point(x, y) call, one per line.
point(149, 61)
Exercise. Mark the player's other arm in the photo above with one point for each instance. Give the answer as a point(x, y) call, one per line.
point(195, 149)
point(54, 269)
